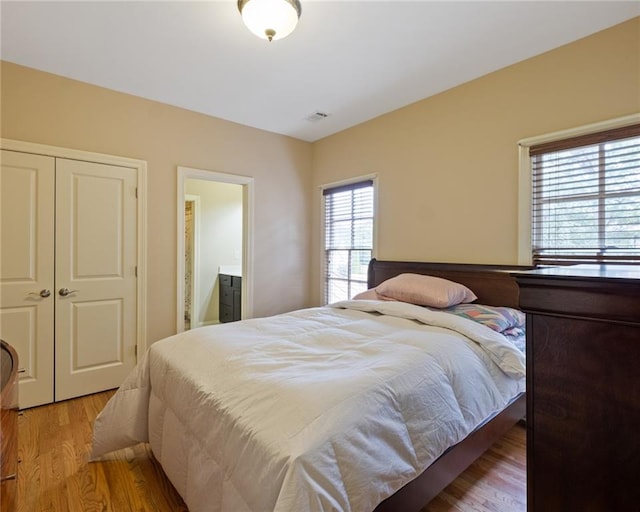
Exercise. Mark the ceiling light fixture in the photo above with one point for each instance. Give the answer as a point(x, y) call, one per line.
point(270, 19)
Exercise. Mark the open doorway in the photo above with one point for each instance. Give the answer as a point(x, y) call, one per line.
point(214, 238)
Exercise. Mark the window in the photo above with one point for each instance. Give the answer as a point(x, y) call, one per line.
point(348, 239)
point(586, 198)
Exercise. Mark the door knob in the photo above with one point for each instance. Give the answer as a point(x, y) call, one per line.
point(44, 293)
point(65, 291)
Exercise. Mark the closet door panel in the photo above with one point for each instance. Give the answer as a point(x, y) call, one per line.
point(27, 271)
point(96, 254)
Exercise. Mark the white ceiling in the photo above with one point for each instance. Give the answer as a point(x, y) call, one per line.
point(354, 60)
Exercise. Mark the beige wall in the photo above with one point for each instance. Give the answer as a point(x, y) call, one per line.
point(448, 165)
point(48, 109)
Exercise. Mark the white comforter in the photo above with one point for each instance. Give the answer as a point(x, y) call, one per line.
point(331, 408)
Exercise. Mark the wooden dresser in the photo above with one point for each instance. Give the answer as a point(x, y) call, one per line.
point(230, 298)
point(8, 426)
point(583, 388)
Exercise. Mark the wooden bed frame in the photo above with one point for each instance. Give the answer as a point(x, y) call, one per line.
point(494, 285)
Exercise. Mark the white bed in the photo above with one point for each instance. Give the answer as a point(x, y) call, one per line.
point(331, 408)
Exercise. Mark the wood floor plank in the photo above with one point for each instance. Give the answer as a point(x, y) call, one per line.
point(55, 474)
point(496, 482)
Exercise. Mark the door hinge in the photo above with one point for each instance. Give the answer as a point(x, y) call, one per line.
point(135, 350)
point(136, 270)
point(136, 192)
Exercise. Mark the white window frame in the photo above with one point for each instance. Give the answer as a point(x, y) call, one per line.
point(524, 175)
point(322, 188)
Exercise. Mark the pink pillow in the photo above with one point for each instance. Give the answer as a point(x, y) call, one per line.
point(370, 294)
point(425, 290)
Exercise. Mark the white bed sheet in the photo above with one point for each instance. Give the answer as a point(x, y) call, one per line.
point(331, 408)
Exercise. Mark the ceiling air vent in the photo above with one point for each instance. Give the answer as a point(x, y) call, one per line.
point(317, 116)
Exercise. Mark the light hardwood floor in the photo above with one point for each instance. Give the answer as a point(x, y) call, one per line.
point(55, 476)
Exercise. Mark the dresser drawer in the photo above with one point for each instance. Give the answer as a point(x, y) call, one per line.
point(226, 296)
point(226, 313)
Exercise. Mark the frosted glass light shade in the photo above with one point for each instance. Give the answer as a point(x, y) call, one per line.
point(270, 19)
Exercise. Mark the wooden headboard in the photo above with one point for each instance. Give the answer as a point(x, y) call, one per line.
point(493, 284)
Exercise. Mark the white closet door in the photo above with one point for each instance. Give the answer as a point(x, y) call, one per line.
point(96, 253)
point(27, 211)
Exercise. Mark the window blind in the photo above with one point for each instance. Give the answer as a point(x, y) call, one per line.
point(348, 240)
point(586, 199)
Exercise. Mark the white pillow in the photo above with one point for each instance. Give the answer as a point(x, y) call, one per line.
point(425, 291)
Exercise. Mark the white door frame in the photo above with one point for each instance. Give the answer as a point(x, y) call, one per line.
point(185, 173)
point(141, 167)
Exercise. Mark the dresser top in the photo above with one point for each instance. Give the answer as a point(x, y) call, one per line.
point(628, 272)
point(230, 270)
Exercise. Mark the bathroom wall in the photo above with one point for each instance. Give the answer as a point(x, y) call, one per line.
point(218, 231)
